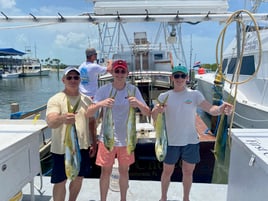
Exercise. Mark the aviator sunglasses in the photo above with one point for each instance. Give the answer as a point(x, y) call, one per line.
point(72, 77)
point(119, 71)
point(177, 76)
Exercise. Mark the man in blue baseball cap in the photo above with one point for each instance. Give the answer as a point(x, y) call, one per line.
point(179, 68)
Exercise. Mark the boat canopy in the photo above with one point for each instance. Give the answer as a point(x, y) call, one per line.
point(10, 52)
point(104, 7)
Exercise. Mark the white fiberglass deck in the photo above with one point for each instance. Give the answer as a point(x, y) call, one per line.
point(138, 191)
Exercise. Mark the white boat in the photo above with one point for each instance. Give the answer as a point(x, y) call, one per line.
point(10, 75)
point(251, 109)
point(32, 67)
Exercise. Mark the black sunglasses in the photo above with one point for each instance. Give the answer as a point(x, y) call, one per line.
point(177, 76)
point(120, 71)
point(72, 77)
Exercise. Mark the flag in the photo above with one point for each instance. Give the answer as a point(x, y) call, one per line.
point(197, 64)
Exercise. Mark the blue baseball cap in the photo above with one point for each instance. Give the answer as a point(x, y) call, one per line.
point(179, 68)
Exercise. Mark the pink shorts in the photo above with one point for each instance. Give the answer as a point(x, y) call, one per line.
point(106, 158)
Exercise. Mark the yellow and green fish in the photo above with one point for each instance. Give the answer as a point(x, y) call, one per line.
point(131, 127)
point(72, 149)
point(108, 126)
point(161, 141)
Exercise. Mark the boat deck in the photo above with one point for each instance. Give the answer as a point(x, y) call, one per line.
point(138, 191)
point(205, 135)
point(149, 189)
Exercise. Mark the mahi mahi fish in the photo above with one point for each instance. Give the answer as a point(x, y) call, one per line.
point(161, 141)
point(131, 127)
point(221, 139)
point(108, 126)
point(222, 126)
point(72, 149)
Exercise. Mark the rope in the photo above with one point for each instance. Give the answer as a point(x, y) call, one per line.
point(235, 18)
point(29, 26)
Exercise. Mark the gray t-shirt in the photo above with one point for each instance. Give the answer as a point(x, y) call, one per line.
point(119, 110)
point(180, 116)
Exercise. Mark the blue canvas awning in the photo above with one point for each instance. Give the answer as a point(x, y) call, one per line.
point(10, 52)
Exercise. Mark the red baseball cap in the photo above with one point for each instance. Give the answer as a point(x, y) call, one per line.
point(120, 64)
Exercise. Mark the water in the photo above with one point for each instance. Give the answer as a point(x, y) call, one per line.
point(28, 92)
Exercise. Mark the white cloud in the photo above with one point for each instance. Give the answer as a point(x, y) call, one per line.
point(4, 4)
point(72, 40)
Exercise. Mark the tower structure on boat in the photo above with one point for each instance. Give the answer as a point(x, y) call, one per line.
point(150, 54)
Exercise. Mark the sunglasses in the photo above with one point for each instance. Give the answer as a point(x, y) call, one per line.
point(177, 76)
point(119, 71)
point(72, 77)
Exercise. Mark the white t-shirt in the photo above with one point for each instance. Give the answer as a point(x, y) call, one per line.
point(89, 73)
point(180, 116)
point(119, 110)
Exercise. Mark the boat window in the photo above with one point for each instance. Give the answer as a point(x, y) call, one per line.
point(224, 64)
point(248, 67)
point(158, 56)
point(231, 66)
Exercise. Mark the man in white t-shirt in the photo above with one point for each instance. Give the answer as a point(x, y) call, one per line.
point(89, 72)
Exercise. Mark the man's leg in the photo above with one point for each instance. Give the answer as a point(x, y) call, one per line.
point(187, 179)
point(123, 181)
point(59, 191)
point(165, 180)
point(105, 181)
point(74, 188)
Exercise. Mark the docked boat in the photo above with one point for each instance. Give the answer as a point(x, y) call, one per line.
point(9, 63)
point(32, 67)
point(9, 75)
point(251, 109)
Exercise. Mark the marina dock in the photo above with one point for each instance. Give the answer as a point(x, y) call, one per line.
point(138, 191)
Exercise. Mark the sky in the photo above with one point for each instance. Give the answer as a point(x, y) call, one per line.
point(68, 42)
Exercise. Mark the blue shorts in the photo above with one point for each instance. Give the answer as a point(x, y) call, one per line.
point(189, 153)
point(58, 168)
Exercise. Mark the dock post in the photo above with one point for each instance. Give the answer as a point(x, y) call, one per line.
point(14, 107)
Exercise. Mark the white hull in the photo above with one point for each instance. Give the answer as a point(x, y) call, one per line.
point(43, 72)
point(248, 114)
point(251, 109)
point(10, 75)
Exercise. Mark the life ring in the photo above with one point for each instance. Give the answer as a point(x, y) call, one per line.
point(17, 197)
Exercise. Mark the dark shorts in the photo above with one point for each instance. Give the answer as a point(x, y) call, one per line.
point(189, 153)
point(58, 168)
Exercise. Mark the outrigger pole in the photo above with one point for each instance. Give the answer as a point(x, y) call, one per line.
point(147, 17)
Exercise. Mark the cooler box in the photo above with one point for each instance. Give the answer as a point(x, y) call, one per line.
point(19, 156)
point(248, 173)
